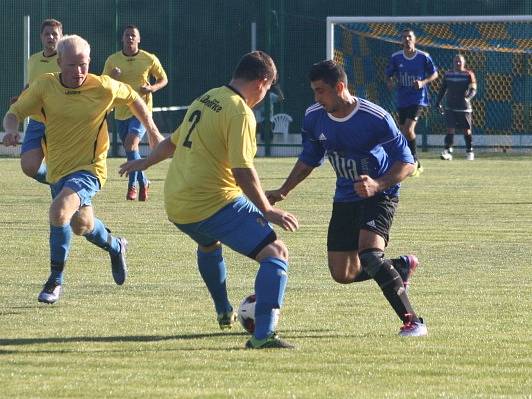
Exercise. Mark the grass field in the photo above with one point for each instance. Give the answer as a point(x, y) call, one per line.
point(470, 223)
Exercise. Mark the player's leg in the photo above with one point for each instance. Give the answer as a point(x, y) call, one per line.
point(408, 118)
point(123, 130)
point(373, 237)
point(448, 142)
point(84, 223)
point(31, 153)
point(131, 145)
point(468, 135)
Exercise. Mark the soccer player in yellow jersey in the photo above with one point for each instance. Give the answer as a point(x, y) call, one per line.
point(75, 104)
point(45, 61)
point(135, 67)
point(214, 195)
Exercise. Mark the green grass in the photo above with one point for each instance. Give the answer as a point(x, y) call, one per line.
point(470, 223)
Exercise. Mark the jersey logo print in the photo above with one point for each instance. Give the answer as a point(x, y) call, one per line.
point(344, 167)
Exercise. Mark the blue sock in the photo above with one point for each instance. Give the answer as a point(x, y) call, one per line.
point(40, 176)
point(270, 285)
point(131, 155)
point(214, 273)
point(60, 237)
point(101, 237)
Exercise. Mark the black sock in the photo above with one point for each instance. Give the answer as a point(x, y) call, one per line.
point(468, 138)
point(449, 139)
point(401, 266)
point(392, 287)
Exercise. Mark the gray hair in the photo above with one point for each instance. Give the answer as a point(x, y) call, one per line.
point(74, 43)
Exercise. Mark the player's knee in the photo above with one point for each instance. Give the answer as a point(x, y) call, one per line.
point(30, 166)
point(209, 248)
point(371, 260)
point(341, 277)
point(276, 249)
point(81, 224)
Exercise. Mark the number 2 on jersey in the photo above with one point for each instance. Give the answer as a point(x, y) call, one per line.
point(194, 119)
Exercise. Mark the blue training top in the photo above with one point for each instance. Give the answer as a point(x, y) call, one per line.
point(407, 70)
point(366, 142)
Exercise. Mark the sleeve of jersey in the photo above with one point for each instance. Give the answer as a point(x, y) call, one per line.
point(313, 152)
point(29, 102)
point(394, 143)
point(241, 141)
point(430, 66)
point(157, 69)
point(123, 93)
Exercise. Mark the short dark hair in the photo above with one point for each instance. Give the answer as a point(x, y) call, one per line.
point(256, 65)
point(408, 30)
point(329, 72)
point(131, 26)
point(54, 23)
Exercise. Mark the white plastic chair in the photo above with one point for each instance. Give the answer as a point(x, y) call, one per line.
point(281, 123)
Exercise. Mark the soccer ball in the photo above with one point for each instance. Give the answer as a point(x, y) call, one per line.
point(246, 313)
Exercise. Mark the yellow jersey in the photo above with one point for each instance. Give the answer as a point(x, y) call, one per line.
point(76, 127)
point(39, 64)
point(217, 134)
point(136, 71)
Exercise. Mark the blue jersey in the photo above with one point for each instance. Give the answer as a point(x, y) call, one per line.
point(366, 142)
point(406, 70)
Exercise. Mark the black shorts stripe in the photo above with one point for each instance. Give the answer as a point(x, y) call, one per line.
point(264, 243)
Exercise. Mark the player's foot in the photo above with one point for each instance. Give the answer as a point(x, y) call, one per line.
point(118, 263)
point(470, 156)
point(131, 193)
point(413, 329)
point(412, 262)
point(446, 155)
point(143, 192)
point(227, 320)
point(418, 171)
point(50, 292)
point(271, 342)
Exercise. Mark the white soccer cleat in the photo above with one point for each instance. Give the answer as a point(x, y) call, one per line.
point(413, 329)
point(470, 156)
point(446, 155)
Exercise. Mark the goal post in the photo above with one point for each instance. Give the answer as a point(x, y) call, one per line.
point(497, 48)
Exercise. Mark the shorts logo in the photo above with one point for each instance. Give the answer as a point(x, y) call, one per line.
point(371, 223)
point(261, 221)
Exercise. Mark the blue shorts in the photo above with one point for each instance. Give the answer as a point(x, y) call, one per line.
point(130, 126)
point(33, 136)
point(239, 225)
point(84, 183)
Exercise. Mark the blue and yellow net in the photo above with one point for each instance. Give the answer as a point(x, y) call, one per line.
point(498, 52)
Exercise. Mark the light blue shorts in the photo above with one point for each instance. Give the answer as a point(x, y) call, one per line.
point(84, 183)
point(239, 225)
point(33, 136)
point(131, 126)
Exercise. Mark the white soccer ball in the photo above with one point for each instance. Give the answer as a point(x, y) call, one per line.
point(246, 313)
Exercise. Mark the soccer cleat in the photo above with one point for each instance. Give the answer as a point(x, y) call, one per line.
point(118, 262)
point(412, 263)
point(418, 171)
point(413, 329)
point(446, 155)
point(271, 342)
point(50, 292)
point(470, 156)
point(131, 193)
point(227, 320)
point(143, 192)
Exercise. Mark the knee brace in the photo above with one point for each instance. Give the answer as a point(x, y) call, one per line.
point(371, 261)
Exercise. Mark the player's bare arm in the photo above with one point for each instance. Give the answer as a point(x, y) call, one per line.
point(418, 84)
point(152, 88)
point(299, 172)
point(249, 182)
point(139, 109)
point(165, 149)
point(11, 136)
point(367, 187)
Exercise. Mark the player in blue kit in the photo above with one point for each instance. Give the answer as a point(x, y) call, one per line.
point(412, 70)
point(370, 157)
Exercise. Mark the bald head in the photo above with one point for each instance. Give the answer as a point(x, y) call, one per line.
point(73, 57)
point(73, 44)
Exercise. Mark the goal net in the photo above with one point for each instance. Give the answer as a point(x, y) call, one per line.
point(497, 48)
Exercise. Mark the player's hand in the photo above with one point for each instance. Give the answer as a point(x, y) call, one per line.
point(116, 73)
point(11, 139)
point(366, 187)
point(131, 166)
point(274, 196)
point(418, 84)
point(145, 89)
point(13, 100)
point(440, 108)
point(283, 219)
